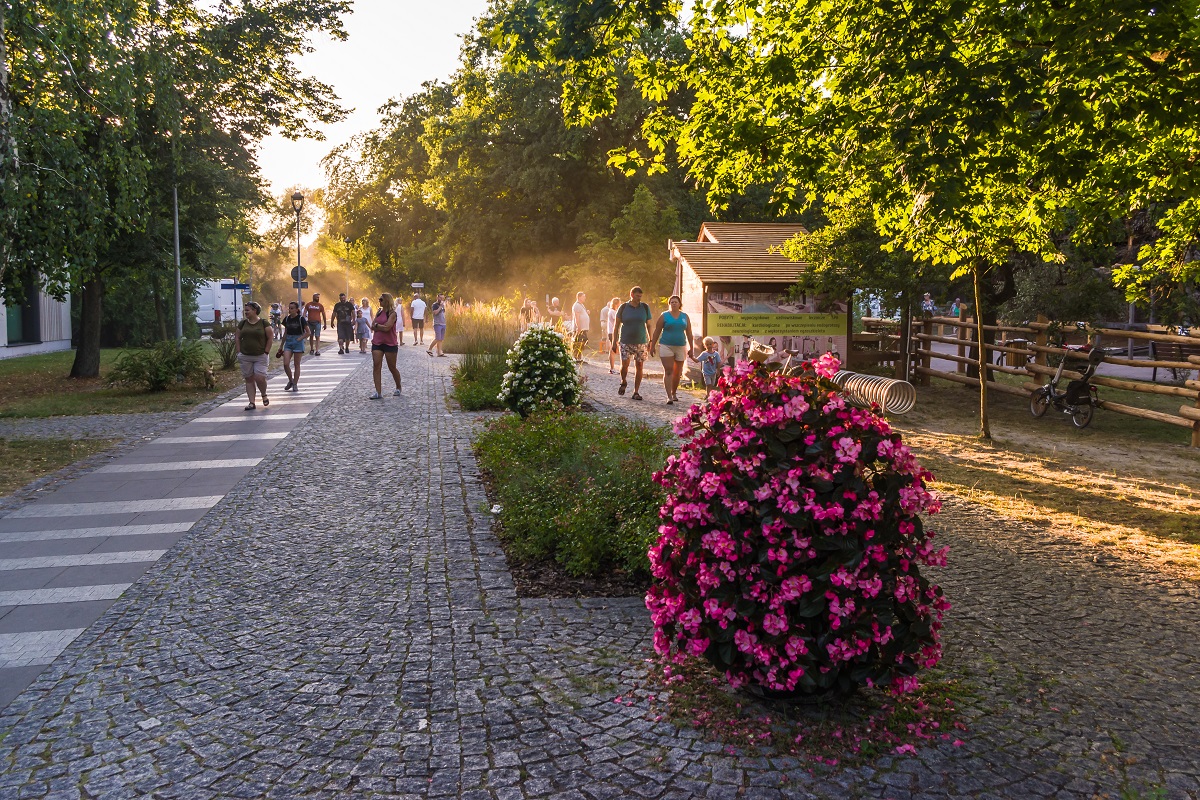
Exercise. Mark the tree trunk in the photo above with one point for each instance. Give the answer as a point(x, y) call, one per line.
point(87, 354)
point(160, 311)
point(985, 428)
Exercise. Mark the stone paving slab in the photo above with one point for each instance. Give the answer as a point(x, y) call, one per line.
point(365, 640)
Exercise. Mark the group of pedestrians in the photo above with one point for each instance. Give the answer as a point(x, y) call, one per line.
point(631, 334)
point(383, 328)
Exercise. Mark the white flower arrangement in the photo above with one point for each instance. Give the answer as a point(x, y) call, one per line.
point(541, 373)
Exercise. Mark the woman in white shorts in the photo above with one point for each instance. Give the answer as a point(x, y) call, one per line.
point(253, 337)
point(673, 338)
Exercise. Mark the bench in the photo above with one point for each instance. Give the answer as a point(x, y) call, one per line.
point(1172, 351)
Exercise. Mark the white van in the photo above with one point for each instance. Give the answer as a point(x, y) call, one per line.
point(214, 303)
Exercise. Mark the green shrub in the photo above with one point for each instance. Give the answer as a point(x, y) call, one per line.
point(576, 488)
point(225, 344)
point(157, 367)
point(541, 373)
point(477, 379)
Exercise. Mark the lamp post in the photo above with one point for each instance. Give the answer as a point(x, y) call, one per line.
point(298, 203)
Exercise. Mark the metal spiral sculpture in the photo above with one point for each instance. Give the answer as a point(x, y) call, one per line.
point(893, 396)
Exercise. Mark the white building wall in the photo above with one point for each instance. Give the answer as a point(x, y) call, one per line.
point(55, 329)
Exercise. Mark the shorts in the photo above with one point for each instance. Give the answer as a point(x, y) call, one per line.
point(314, 329)
point(418, 324)
point(253, 366)
point(293, 344)
point(637, 352)
point(710, 381)
point(676, 351)
point(439, 332)
point(385, 348)
point(581, 337)
point(345, 331)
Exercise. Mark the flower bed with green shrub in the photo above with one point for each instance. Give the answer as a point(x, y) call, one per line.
point(576, 488)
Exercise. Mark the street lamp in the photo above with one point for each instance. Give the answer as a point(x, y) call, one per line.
point(298, 203)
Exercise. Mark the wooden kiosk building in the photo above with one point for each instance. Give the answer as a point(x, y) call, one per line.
point(734, 283)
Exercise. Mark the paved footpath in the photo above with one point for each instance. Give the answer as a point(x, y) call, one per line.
point(363, 639)
point(66, 556)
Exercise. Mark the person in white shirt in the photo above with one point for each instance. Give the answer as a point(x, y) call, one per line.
point(581, 321)
point(608, 321)
point(417, 308)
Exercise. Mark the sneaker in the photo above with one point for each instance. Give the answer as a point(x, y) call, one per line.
point(288, 388)
point(375, 396)
point(396, 393)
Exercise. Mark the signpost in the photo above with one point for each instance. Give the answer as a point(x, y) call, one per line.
point(420, 285)
point(299, 273)
point(237, 288)
point(299, 284)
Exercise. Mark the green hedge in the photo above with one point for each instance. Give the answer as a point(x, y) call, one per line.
point(576, 488)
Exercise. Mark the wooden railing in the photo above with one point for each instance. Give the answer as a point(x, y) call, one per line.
point(1025, 351)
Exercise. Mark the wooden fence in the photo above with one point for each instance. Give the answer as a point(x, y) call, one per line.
point(1025, 350)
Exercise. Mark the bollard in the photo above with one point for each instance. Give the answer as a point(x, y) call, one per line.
point(893, 396)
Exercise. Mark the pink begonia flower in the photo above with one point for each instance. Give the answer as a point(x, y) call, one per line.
point(690, 620)
point(745, 641)
point(793, 586)
point(846, 450)
point(827, 366)
point(795, 648)
point(775, 624)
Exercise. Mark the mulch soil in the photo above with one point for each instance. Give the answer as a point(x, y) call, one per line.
point(549, 580)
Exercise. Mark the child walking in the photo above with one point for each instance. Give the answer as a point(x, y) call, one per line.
point(710, 361)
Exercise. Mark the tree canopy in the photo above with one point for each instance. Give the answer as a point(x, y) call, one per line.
point(968, 133)
point(111, 105)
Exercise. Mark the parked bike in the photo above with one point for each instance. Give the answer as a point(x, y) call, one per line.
point(1079, 401)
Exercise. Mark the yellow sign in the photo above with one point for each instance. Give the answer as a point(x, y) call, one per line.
point(776, 324)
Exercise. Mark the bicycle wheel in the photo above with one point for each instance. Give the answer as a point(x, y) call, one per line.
point(1082, 415)
point(1039, 401)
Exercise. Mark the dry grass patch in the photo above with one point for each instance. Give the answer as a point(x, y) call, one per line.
point(1117, 485)
point(25, 460)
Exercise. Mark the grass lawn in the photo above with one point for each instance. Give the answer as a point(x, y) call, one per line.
point(38, 386)
point(25, 460)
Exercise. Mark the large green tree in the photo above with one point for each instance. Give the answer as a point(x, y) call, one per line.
point(116, 103)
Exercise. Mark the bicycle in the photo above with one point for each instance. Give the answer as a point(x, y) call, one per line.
point(1079, 401)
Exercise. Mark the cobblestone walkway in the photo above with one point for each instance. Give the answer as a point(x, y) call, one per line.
point(364, 639)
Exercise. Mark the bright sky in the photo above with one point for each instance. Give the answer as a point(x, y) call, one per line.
point(394, 46)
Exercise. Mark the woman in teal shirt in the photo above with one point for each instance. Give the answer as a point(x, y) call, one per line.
point(673, 336)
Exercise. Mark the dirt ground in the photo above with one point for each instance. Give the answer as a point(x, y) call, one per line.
point(1114, 486)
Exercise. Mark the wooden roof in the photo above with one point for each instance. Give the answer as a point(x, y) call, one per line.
point(727, 252)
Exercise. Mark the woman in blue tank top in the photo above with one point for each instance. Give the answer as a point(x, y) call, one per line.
point(673, 337)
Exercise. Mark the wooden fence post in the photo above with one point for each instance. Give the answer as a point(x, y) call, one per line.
point(961, 332)
point(926, 350)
